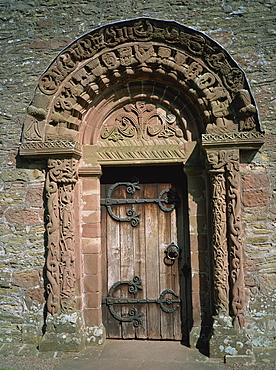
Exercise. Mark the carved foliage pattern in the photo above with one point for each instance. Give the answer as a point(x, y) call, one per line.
point(60, 262)
point(224, 169)
point(141, 120)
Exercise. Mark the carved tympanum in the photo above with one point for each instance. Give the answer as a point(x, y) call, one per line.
point(141, 120)
point(60, 262)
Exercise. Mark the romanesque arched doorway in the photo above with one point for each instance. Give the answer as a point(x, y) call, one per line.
point(151, 96)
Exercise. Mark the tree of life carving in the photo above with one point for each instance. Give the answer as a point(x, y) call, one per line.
point(141, 120)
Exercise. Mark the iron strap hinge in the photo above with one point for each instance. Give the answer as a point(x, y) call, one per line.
point(166, 200)
point(166, 304)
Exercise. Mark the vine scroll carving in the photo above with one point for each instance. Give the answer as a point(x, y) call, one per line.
point(60, 263)
point(226, 243)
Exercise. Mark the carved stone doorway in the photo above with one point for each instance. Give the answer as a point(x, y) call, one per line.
point(141, 92)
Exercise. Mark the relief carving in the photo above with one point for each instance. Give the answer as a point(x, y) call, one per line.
point(216, 163)
point(144, 31)
point(227, 246)
point(141, 120)
point(246, 110)
point(234, 238)
point(60, 262)
point(32, 129)
point(216, 96)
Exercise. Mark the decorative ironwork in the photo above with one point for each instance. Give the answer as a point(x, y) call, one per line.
point(172, 253)
point(166, 200)
point(133, 315)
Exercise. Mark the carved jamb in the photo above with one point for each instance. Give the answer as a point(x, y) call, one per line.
point(234, 238)
point(227, 248)
point(60, 262)
point(219, 232)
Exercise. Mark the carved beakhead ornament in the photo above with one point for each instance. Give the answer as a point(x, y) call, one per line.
point(178, 57)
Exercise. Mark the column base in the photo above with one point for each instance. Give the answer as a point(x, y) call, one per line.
point(63, 333)
point(230, 343)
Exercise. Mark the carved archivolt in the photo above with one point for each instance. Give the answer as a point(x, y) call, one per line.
point(125, 51)
point(227, 249)
point(142, 90)
point(60, 261)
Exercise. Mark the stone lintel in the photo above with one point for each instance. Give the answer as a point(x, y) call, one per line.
point(239, 140)
point(46, 149)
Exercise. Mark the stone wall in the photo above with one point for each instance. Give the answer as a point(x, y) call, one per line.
point(32, 34)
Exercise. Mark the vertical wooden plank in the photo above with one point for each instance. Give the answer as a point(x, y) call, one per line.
point(104, 257)
point(113, 268)
point(127, 262)
point(176, 324)
point(165, 238)
point(152, 263)
point(139, 243)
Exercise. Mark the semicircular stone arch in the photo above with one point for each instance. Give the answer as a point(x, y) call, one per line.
point(167, 54)
point(142, 91)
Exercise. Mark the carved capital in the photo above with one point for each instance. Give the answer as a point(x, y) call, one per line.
point(60, 263)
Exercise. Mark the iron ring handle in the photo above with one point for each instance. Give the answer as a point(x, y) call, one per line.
point(172, 252)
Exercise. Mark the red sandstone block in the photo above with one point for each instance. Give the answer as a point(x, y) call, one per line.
point(91, 245)
point(255, 181)
point(92, 300)
point(92, 283)
point(91, 216)
point(92, 264)
point(92, 316)
point(196, 300)
point(91, 230)
point(196, 316)
point(198, 242)
point(91, 202)
point(199, 261)
point(90, 184)
point(195, 283)
point(256, 198)
point(24, 216)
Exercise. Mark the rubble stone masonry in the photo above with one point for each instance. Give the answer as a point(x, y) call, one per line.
point(32, 33)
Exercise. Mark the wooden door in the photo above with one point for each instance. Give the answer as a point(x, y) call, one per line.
point(137, 272)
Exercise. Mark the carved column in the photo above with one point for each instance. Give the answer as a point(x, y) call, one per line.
point(60, 262)
point(216, 168)
point(223, 166)
point(234, 238)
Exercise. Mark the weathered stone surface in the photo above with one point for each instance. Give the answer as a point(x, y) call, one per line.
point(29, 278)
point(23, 216)
point(255, 181)
point(256, 198)
point(34, 197)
